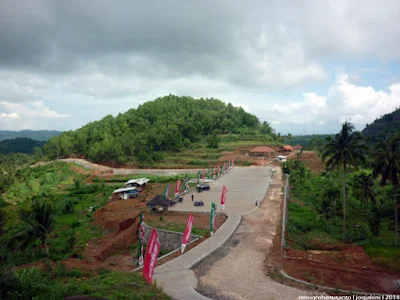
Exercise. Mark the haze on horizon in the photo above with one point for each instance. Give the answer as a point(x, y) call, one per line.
point(303, 67)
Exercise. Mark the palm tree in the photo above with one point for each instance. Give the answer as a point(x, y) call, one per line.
point(363, 188)
point(387, 164)
point(39, 223)
point(342, 151)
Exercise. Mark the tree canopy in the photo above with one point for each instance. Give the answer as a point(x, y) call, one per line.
point(170, 124)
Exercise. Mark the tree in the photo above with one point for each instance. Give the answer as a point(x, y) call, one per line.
point(363, 189)
point(212, 141)
point(387, 164)
point(343, 151)
point(39, 222)
point(289, 137)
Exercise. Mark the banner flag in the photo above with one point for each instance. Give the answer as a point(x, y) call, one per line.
point(208, 173)
point(202, 174)
point(187, 233)
point(223, 196)
point(186, 184)
point(212, 218)
point(141, 238)
point(233, 162)
point(214, 168)
point(178, 183)
point(198, 177)
point(150, 261)
point(166, 190)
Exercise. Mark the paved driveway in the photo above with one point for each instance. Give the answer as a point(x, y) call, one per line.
point(245, 186)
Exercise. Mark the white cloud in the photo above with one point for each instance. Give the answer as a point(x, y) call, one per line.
point(27, 115)
point(344, 101)
point(9, 116)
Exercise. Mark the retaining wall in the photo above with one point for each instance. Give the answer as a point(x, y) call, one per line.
point(169, 240)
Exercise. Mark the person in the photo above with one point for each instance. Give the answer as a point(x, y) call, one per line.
point(192, 197)
point(256, 203)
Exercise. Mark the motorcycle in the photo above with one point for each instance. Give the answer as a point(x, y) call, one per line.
point(198, 203)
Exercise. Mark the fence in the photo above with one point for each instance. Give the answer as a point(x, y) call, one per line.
point(285, 213)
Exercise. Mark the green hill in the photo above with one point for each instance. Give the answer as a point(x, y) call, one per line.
point(386, 125)
point(39, 135)
point(19, 145)
point(166, 125)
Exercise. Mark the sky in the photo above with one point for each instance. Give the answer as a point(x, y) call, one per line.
point(303, 66)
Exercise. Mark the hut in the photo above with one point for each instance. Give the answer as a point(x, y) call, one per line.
point(262, 151)
point(159, 204)
point(286, 149)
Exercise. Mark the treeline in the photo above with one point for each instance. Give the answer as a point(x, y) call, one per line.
point(38, 135)
point(167, 124)
point(386, 125)
point(20, 145)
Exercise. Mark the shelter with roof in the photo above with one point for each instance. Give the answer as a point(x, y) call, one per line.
point(286, 148)
point(138, 182)
point(159, 204)
point(262, 151)
point(123, 193)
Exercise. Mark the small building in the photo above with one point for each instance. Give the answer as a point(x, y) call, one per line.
point(123, 193)
point(262, 151)
point(286, 148)
point(280, 158)
point(138, 182)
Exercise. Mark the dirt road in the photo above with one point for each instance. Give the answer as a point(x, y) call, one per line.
point(237, 270)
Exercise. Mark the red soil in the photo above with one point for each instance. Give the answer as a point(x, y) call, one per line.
point(347, 267)
point(312, 161)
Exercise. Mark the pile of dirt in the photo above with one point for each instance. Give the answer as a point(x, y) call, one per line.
point(347, 267)
point(311, 160)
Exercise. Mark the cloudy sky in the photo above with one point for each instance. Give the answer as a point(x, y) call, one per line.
point(304, 66)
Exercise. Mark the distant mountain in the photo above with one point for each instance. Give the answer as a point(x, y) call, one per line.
point(19, 145)
point(386, 125)
point(38, 135)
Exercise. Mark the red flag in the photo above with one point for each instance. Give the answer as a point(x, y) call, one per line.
point(153, 249)
point(187, 233)
point(178, 183)
point(233, 161)
point(202, 174)
point(223, 196)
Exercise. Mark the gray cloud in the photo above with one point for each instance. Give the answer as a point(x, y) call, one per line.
point(104, 52)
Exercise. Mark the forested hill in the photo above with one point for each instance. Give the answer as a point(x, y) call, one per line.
point(386, 125)
point(39, 135)
point(19, 145)
point(169, 124)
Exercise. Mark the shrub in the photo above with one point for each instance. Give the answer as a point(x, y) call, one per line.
point(68, 207)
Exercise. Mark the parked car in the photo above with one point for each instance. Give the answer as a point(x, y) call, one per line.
point(202, 187)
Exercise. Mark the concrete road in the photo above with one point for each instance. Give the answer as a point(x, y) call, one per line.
point(245, 185)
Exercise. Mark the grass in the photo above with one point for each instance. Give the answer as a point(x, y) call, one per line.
point(56, 284)
point(153, 178)
point(118, 285)
point(177, 227)
point(384, 256)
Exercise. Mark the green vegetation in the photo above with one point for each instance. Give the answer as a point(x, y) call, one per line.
point(159, 128)
point(45, 206)
point(316, 214)
point(21, 145)
point(58, 283)
point(384, 126)
point(37, 135)
point(344, 151)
